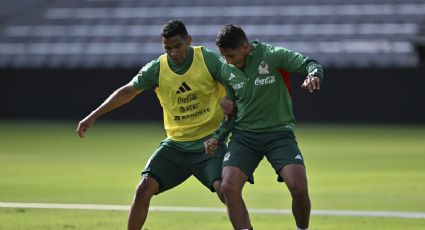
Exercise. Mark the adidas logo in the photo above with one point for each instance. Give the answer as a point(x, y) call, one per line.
point(298, 157)
point(183, 88)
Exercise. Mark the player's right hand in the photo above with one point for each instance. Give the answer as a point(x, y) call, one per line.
point(210, 145)
point(84, 125)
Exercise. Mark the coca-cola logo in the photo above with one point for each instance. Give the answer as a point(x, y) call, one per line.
point(265, 81)
point(189, 98)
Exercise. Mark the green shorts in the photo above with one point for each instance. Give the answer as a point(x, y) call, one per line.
point(247, 149)
point(170, 167)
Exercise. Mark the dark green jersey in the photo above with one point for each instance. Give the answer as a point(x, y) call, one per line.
point(262, 89)
point(148, 78)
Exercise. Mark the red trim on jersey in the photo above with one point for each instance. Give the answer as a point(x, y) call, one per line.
point(286, 79)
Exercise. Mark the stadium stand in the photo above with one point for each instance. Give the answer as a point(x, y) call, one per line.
point(125, 34)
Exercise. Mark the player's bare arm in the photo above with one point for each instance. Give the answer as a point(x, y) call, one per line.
point(210, 145)
point(118, 98)
point(311, 83)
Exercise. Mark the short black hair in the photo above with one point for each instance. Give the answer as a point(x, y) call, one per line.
point(173, 28)
point(230, 37)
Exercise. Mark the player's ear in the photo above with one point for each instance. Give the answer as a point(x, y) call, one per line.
point(189, 40)
point(246, 47)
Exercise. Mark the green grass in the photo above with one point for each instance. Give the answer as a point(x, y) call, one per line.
point(37, 219)
point(350, 167)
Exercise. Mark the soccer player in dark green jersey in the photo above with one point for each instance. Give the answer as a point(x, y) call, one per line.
point(185, 81)
point(257, 79)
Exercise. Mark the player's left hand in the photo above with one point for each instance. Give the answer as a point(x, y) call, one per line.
point(311, 83)
point(210, 145)
point(228, 106)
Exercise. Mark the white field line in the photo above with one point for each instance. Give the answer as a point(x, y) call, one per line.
point(390, 214)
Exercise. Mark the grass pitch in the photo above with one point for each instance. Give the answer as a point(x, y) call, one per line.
point(350, 167)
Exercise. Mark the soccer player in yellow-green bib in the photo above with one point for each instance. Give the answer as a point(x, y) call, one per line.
point(184, 79)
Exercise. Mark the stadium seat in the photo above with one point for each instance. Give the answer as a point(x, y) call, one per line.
point(106, 34)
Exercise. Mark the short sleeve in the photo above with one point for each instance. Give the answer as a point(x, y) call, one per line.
point(214, 63)
point(148, 76)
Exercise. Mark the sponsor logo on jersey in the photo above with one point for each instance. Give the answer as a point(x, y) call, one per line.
point(187, 99)
point(238, 85)
point(183, 88)
point(231, 76)
point(188, 108)
point(192, 115)
point(265, 81)
point(263, 68)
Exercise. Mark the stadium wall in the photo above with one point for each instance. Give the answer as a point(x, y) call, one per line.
point(347, 95)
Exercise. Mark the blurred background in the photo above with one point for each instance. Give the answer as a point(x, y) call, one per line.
point(61, 59)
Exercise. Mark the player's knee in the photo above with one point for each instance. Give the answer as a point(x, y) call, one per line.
point(217, 186)
point(298, 189)
point(217, 189)
point(230, 189)
point(145, 190)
